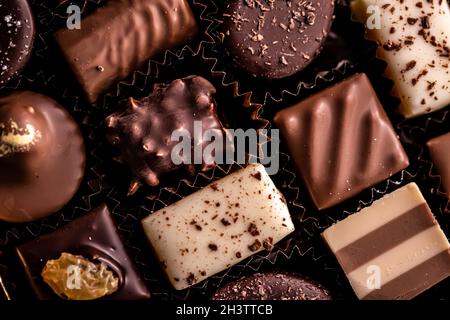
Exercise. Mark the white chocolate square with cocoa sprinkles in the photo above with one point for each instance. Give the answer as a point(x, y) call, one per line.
point(218, 226)
point(414, 39)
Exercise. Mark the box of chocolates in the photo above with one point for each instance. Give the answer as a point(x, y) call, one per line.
point(203, 150)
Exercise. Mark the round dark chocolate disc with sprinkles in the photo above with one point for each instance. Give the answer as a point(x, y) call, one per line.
point(275, 38)
point(16, 37)
point(273, 286)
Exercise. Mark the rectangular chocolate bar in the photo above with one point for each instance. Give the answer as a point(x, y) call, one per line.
point(119, 37)
point(218, 226)
point(414, 39)
point(341, 141)
point(393, 249)
point(439, 148)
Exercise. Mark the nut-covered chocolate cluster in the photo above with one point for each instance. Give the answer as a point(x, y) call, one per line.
point(143, 131)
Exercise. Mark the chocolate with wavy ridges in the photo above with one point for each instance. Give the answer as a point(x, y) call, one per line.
point(341, 141)
point(121, 36)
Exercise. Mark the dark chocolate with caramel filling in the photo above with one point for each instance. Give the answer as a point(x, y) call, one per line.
point(42, 157)
point(275, 39)
point(143, 131)
point(94, 237)
point(16, 37)
point(273, 286)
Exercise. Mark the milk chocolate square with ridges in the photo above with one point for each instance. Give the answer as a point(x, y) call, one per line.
point(392, 250)
point(93, 236)
point(439, 148)
point(341, 141)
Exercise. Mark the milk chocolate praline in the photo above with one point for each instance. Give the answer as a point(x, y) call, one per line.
point(42, 157)
point(275, 39)
point(120, 37)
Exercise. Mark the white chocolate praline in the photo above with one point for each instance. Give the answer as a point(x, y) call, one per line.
point(414, 39)
point(14, 139)
point(218, 226)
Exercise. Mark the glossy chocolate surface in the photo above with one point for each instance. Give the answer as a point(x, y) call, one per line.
point(93, 236)
point(275, 39)
point(143, 131)
point(341, 141)
point(119, 37)
point(16, 37)
point(273, 286)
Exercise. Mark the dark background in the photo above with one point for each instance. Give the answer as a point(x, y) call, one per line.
point(242, 102)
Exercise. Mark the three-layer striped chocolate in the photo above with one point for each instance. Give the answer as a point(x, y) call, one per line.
point(393, 249)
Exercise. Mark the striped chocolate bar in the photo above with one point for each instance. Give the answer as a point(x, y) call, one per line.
point(393, 249)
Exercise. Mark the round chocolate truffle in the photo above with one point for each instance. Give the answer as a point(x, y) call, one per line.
point(16, 37)
point(274, 39)
point(273, 286)
point(42, 157)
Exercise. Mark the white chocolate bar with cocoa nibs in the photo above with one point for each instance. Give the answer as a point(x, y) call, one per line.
point(218, 226)
point(414, 39)
point(393, 249)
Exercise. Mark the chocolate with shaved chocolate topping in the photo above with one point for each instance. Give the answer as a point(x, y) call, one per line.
point(275, 39)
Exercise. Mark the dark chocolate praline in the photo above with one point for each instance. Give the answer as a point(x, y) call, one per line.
point(16, 37)
point(95, 237)
point(274, 39)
